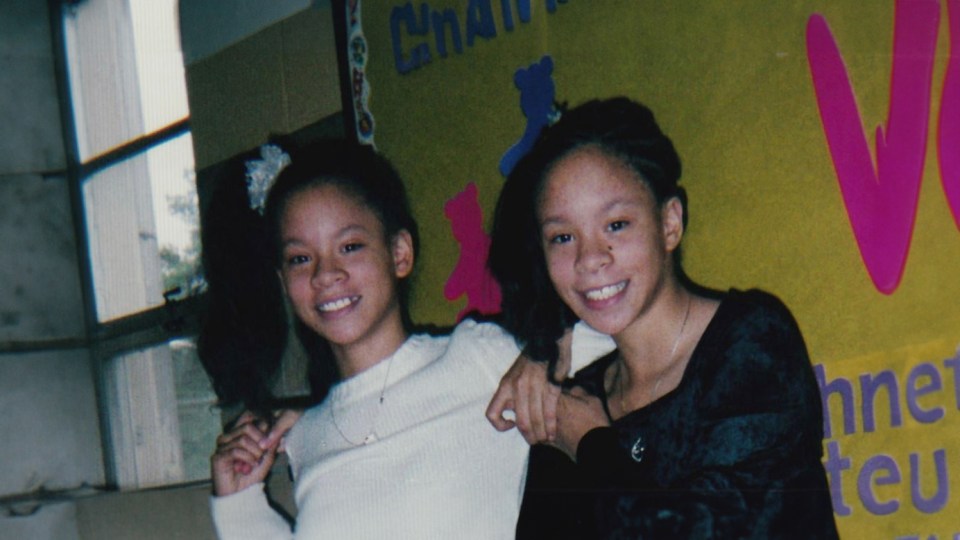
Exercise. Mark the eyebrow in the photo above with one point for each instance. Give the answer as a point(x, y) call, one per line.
point(613, 205)
point(356, 227)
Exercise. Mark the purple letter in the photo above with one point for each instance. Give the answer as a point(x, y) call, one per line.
point(869, 384)
point(844, 389)
point(939, 500)
point(865, 486)
point(834, 465)
point(954, 364)
point(914, 391)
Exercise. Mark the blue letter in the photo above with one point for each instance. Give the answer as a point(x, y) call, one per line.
point(523, 9)
point(552, 5)
point(480, 20)
point(449, 17)
point(420, 54)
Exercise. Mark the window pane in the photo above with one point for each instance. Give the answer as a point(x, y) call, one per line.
point(126, 70)
point(196, 410)
point(142, 229)
point(162, 415)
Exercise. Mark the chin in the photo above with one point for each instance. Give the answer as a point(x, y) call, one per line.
point(602, 325)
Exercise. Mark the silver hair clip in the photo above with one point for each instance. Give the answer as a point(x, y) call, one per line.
point(261, 173)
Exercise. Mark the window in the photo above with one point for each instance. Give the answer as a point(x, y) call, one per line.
point(132, 160)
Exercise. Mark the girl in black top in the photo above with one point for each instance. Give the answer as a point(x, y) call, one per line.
point(706, 422)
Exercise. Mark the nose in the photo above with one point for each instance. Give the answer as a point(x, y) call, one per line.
point(593, 254)
point(327, 272)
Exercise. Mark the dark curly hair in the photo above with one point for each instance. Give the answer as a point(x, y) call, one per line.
point(532, 310)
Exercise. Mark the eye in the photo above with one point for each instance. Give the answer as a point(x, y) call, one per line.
point(618, 225)
point(562, 238)
point(296, 260)
point(350, 247)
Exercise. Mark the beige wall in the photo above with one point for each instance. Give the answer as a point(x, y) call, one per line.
point(276, 81)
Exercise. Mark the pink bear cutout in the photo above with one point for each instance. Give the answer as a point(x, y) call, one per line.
point(470, 276)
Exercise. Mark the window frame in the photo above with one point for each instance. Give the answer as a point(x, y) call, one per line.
point(135, 332)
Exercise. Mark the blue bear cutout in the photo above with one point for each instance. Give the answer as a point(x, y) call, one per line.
point(537, 94)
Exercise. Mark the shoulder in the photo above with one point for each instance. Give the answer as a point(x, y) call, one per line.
point(755, 305)
point(752, 317)
point(754, 337)
point(484, 345)
point(483, 338)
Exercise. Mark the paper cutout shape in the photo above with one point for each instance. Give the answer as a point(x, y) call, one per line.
point(470, 276)
point(948, 137)
point(881, 202)
point(537, 96)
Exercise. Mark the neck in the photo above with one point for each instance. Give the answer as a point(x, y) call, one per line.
point(651, 345)
point(354, 358)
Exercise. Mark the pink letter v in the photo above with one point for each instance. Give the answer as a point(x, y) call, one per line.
point(881, 203)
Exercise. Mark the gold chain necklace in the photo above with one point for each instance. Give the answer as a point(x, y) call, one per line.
point(656, 386)
point(372, 434)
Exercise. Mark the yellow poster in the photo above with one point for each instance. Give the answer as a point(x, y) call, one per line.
point(818, 141)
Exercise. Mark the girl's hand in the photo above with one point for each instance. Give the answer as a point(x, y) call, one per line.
point(243, 456)
point(579, 412)
point(526, 391)
point(282, 422)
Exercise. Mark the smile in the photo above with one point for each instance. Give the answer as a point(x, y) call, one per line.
point(338, 304)
point(605, 292)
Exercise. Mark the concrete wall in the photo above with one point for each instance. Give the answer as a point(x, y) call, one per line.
point(51, 429)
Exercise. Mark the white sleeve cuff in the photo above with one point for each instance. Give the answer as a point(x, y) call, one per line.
point(247, 515)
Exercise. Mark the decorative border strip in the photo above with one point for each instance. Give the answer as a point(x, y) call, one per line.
point(360, 87)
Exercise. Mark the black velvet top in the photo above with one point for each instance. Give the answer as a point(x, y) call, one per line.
point(734, 451)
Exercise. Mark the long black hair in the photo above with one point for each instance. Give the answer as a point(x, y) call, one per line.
point(244, 335)
point(532, 310)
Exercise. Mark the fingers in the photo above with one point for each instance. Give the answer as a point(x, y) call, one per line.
point(500, 407)
point(282, 423)
point(245, 418)
point(565, 358)
point(240, 459)
point(234, 468)
point(523, 400)
point(533, 399)
point(550, 399)
point(577, 392)
point(242, 444)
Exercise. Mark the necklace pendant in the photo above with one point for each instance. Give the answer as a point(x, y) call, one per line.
point(638, 449)
point(371, 438)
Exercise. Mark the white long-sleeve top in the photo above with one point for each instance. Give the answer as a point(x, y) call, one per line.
point(436, 467)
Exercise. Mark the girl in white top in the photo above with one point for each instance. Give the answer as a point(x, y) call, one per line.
point(400, 446)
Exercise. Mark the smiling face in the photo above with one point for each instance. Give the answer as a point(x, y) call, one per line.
point(606, 241)
point(341, 274)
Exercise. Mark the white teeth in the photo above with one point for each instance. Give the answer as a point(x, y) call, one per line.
point(605, 292)
point(338, 304)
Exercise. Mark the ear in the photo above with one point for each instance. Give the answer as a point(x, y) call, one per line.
point(671, 216)
point(403, 254)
